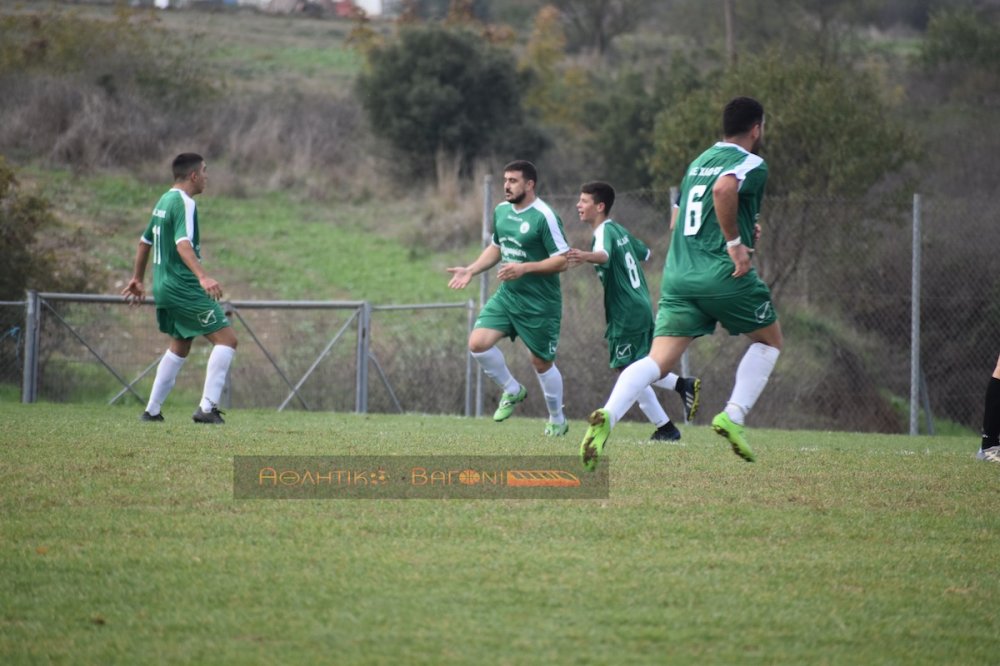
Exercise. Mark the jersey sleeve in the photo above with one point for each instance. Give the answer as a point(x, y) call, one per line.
point(552, 234)
point(601, 241)
point(750, 164)
point(494, 239)
point(147, 235)
point(755, 179)
point(642, 251)
point(183, 219)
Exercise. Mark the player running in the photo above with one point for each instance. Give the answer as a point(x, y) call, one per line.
point(615, 254)
point(708, 279)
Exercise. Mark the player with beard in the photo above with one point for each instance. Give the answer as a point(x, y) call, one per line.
point(708, 279)
point(529, 243)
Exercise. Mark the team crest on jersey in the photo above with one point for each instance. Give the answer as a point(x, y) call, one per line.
point(624, 351)
point(207, 317)
point(763, 311)
point(524, 227)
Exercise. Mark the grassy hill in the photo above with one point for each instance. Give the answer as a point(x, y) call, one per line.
point(273, 245)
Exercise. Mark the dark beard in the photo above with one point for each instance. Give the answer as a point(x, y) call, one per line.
point(518, 199)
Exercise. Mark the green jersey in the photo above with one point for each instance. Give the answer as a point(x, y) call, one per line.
point(626, 297)
point(174, 219)
point(534, 233)
point(698, 262)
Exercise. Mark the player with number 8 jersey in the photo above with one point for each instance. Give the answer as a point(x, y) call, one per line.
point(625, 291)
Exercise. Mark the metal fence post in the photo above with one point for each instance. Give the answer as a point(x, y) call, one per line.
point(469, 369)
point(484, 282)
point(32, 330)
point(915, 322)
point(364, 341)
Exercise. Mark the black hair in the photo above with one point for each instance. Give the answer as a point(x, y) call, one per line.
point(526, 168)
point(185, 163)
point(740, 115)
point(601, 192)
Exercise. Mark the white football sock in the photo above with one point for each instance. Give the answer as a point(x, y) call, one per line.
point(631, 382)
point(495, 367)
point(751, 378)
point(552, 388)
point(652, 408)
point(166, 376)
point(215, 376)
point(669, 382)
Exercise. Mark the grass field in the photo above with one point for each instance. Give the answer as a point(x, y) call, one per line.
point(123, 544)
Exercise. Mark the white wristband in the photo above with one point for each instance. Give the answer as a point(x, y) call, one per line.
point(733, 243)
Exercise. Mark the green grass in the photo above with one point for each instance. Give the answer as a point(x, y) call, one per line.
point(123, 545)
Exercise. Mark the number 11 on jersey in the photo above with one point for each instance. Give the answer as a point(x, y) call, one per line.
point(156, 245)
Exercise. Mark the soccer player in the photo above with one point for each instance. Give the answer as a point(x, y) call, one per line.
point(708, 279)
point(989, 449)
point(615, 254)
point(186, 297)
point(528, 239)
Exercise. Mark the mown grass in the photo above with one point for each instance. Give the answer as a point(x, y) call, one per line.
point(123, 544)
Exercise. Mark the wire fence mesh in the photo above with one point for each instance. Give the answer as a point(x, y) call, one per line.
point(840, 272)
point(11, 349)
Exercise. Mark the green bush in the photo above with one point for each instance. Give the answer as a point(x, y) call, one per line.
point(437, 90)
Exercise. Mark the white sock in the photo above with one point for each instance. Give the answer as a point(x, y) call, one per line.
point(166, 376)
point(669, 382)
point(652, 408)
point(495, 367)
point(631, 382)
point(552, 388)
point(215, 376)
point(751, 378)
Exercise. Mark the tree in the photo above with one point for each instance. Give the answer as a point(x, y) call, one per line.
point(28, 262)
point(446, 91)
point(592, 24)
point(829, 133)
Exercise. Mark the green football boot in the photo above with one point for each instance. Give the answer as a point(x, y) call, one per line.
point(507, 402)
point(592, 446)
point(724, 426)
point(556, 429)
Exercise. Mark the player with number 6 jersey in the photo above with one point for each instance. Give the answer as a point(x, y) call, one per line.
point(698, 262)
point(708, 280)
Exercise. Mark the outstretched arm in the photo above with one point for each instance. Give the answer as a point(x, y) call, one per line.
point(462, 275)
point(579, 257)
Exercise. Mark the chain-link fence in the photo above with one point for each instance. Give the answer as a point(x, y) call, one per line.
point(841, 275)
point(840, 271)
point(11, 349)
point(347, 356)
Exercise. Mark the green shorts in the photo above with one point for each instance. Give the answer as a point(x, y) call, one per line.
point(198, 317)
point(540, 332)
point(629, 348)
point(745, 310)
